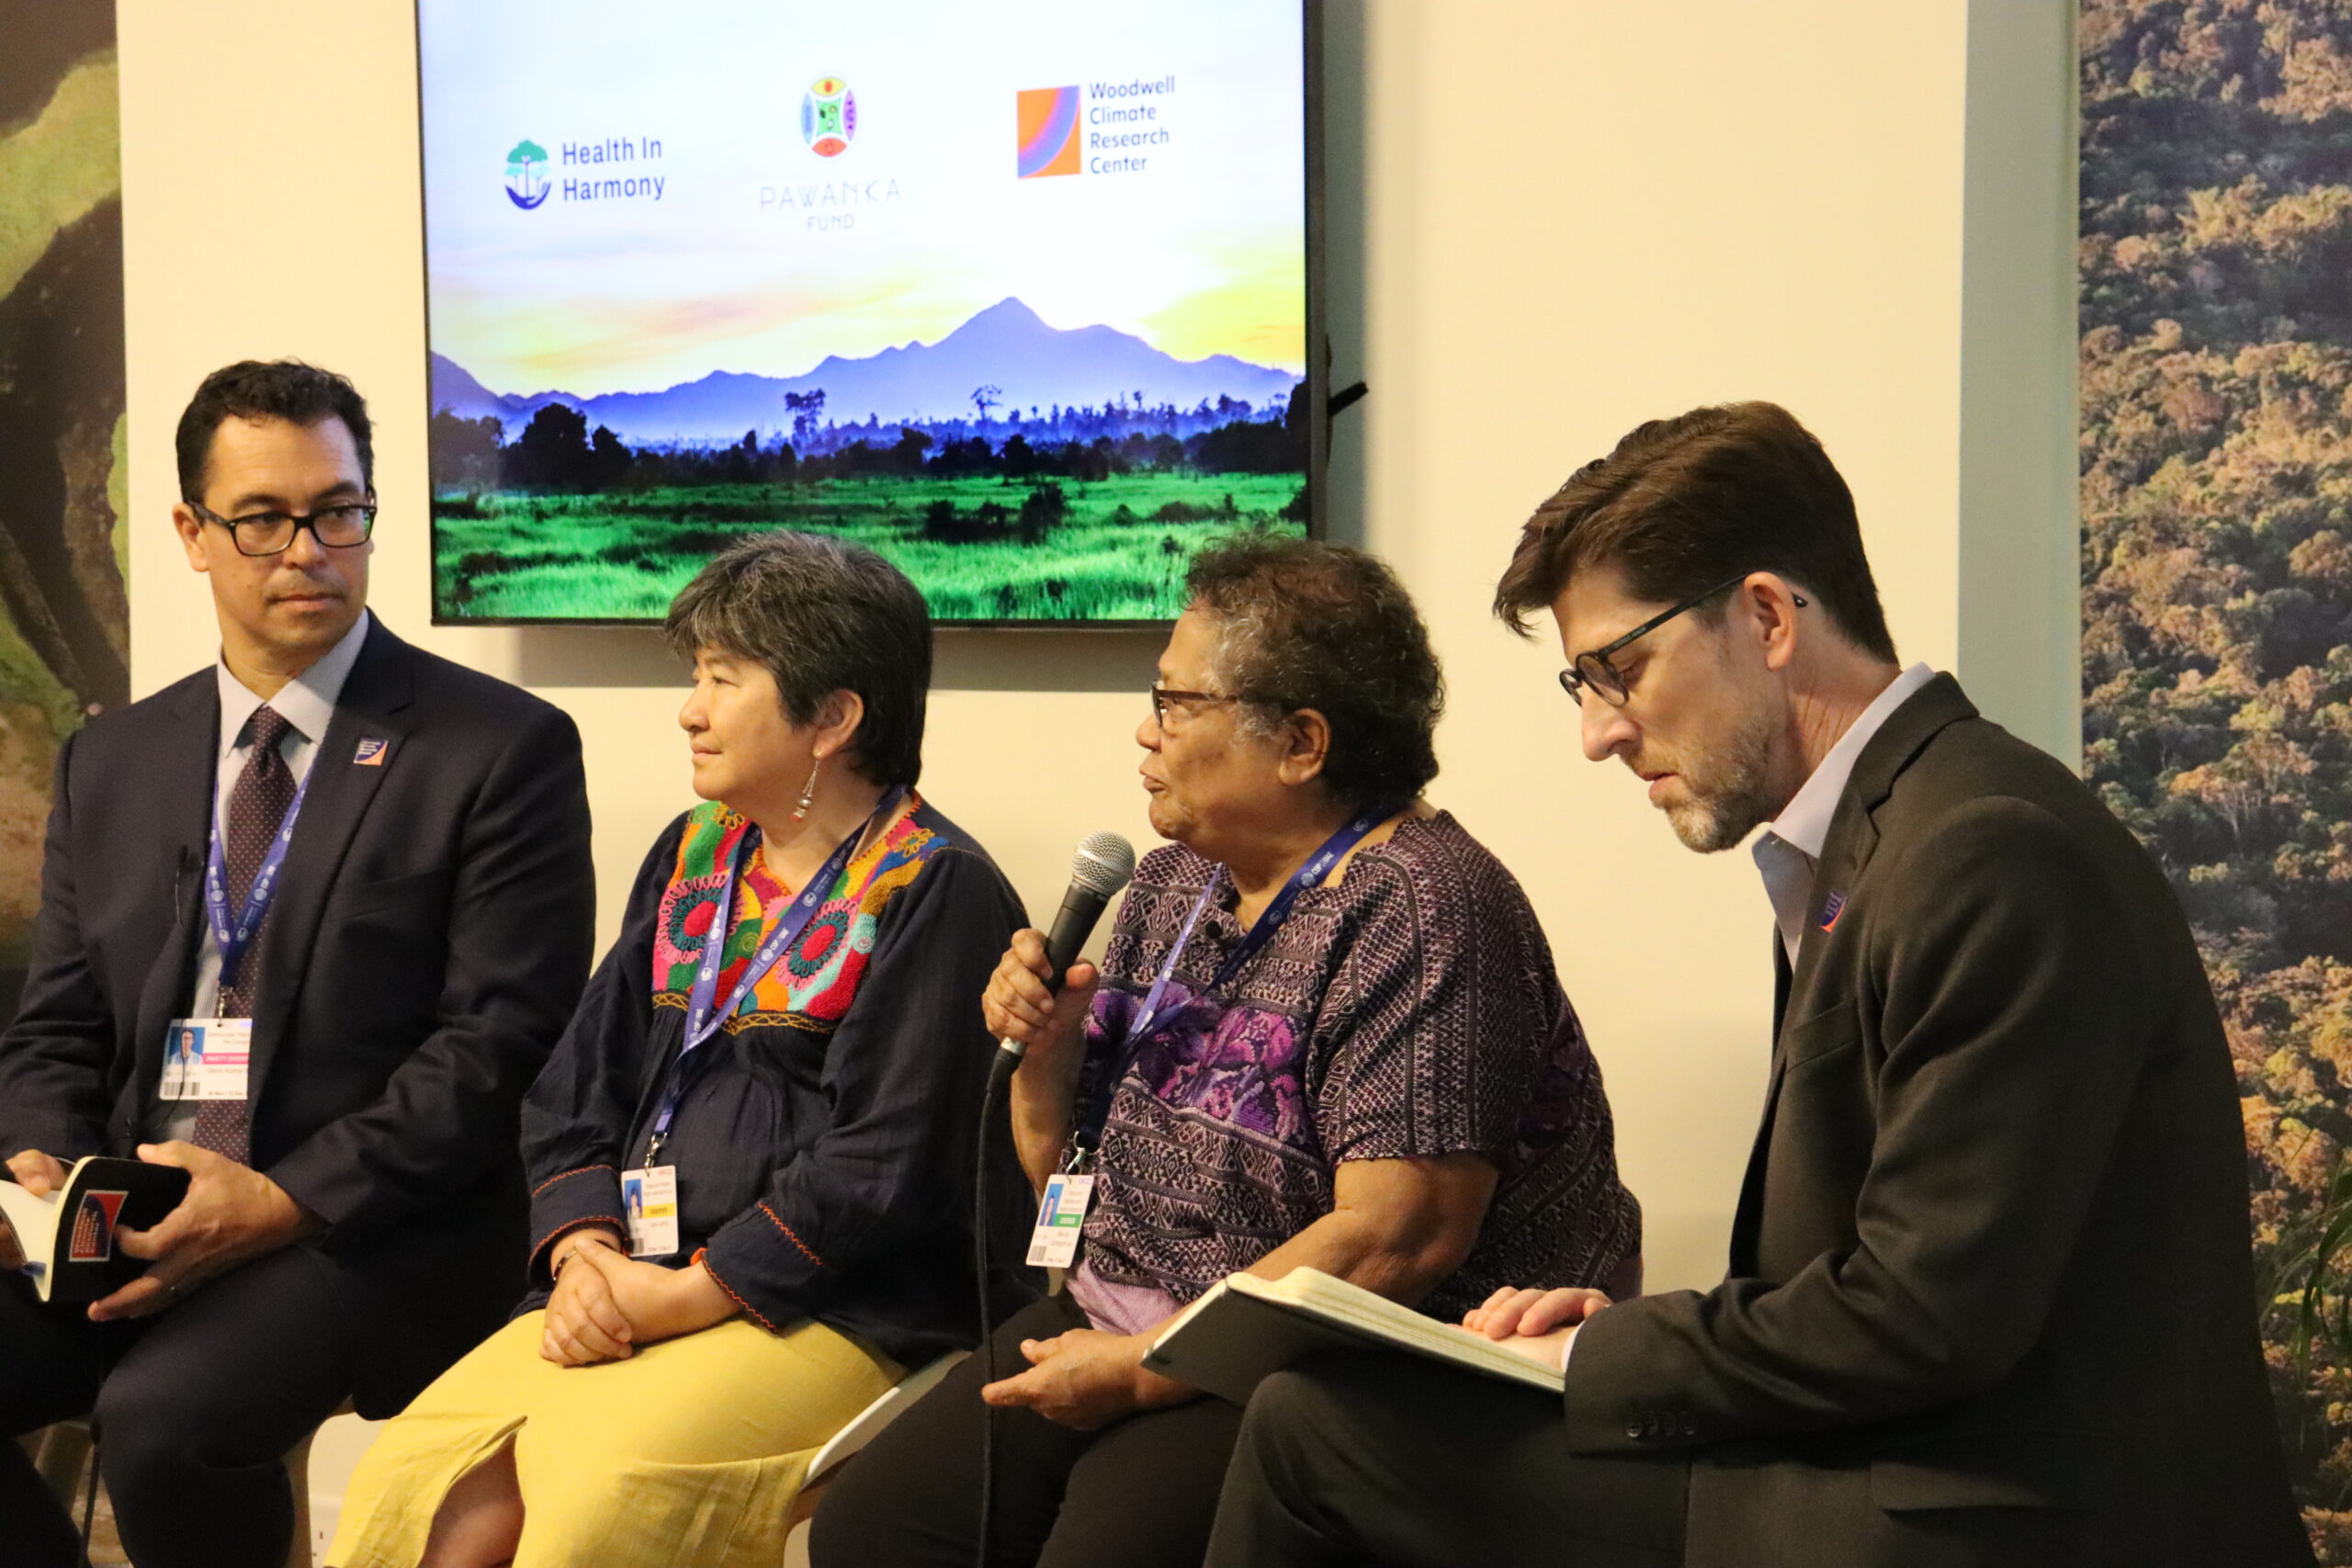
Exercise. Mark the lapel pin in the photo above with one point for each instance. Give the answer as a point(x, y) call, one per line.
point(1831, 911)
point(371, 753)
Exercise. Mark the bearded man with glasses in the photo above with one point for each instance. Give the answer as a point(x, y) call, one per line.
point(349, 884)
point(1990, 1299)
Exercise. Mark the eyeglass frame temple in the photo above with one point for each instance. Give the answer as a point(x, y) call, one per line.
point(1600, 655)
point(1163, 695)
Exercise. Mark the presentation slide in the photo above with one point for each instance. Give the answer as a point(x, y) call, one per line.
point(1016, 295)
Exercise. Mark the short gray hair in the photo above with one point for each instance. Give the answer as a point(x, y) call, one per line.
point(821, 615)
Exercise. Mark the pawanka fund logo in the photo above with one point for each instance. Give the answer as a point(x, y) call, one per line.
point(527, 175)
point(829, 117)
point(1049, 131)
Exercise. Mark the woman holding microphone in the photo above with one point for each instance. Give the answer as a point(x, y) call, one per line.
point(1327, 1031)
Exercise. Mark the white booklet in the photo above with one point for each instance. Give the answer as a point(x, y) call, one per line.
point(67, 1237)
point(1246, 1327)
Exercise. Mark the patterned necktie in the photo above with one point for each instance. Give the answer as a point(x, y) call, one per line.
point(256, 810)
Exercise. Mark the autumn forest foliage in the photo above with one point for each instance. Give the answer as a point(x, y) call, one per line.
point(2216, 274)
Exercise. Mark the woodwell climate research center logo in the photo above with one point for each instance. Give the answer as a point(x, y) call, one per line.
point(1048, 135)
point(1103, 128)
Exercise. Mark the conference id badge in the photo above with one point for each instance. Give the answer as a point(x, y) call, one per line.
point(206, 1058)
point(1053, 1244)
point(650, 1199)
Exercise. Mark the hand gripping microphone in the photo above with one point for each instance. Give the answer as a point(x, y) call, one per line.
point(1105, 863)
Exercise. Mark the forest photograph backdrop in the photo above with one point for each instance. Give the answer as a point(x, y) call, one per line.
point(2216, 401)
point(64, 608)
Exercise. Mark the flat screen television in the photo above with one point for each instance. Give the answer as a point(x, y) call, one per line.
point(1022, 295)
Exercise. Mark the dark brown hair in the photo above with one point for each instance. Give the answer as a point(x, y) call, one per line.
point(283, 389)
point(1306, 624)
point(1683, 503)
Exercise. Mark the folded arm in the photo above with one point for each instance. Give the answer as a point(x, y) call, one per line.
point(1397, 1227)
point(577, 1116)
point(903, 1075)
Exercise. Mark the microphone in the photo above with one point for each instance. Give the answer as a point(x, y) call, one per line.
point(1104, 863)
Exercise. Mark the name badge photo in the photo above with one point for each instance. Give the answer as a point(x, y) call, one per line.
point(206, 1058)
point(650, 1199)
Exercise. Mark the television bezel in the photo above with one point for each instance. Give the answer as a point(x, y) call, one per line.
point(1319, 370)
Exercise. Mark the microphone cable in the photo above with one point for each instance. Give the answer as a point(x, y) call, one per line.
point(1103, 865)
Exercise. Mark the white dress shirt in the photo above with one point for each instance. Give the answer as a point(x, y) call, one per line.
point(306, 702)
point(1789, 852)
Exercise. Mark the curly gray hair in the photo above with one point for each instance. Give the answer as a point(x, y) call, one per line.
point(1300, 623)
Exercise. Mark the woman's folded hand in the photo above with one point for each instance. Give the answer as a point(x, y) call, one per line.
point(584, 1322)
point(655, 1302)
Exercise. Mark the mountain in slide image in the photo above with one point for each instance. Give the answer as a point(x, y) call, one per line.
point(1005, 347)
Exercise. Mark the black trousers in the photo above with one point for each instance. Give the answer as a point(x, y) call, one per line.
point(196, 1409)
point(1138, 1493)
point(1362, 1459)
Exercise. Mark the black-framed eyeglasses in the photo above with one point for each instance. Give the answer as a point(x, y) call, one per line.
point(1593, 672)
point(1163, 696)
point(339, 526)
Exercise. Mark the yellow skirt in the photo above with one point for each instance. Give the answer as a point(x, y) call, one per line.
point(692, 1450)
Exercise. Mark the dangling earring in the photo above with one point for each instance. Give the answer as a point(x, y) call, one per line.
point(808, 795)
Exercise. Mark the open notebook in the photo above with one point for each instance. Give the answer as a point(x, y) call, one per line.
point(68, 1237)
point(1246, 1327)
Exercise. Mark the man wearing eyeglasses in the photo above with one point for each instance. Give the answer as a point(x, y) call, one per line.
point(358, 875)
point(1990, 1299)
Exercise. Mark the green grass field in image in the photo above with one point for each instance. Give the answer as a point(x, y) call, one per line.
point(623, 554)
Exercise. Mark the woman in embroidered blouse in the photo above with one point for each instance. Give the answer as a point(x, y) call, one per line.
point(1360, 1060)
point(659, 1396)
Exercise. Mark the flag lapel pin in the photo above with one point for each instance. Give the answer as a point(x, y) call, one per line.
point(371, 753)
point(1832, 911)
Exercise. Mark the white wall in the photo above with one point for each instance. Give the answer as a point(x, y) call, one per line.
point(1551, 218)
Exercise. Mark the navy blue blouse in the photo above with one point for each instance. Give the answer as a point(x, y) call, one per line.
point(825, 1143)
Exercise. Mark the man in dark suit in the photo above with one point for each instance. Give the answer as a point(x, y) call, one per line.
point(353, 1220)
point(1990, 1298)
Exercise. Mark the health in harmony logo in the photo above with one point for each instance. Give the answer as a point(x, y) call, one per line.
point(527, 175)
point(1047, 141)
point(829, 117)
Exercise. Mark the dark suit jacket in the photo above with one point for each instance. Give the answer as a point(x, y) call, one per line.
point(430, 937)
point(1992, 1253)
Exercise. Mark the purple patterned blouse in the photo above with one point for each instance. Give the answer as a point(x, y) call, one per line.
point(1410, 1009)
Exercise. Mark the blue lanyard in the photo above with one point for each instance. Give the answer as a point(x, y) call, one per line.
point(233, 935)
point(703, 1020)
point(1088, 1136)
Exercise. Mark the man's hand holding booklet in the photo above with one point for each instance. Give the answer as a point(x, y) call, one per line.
point(1245, 1327)
point(61, 1227)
